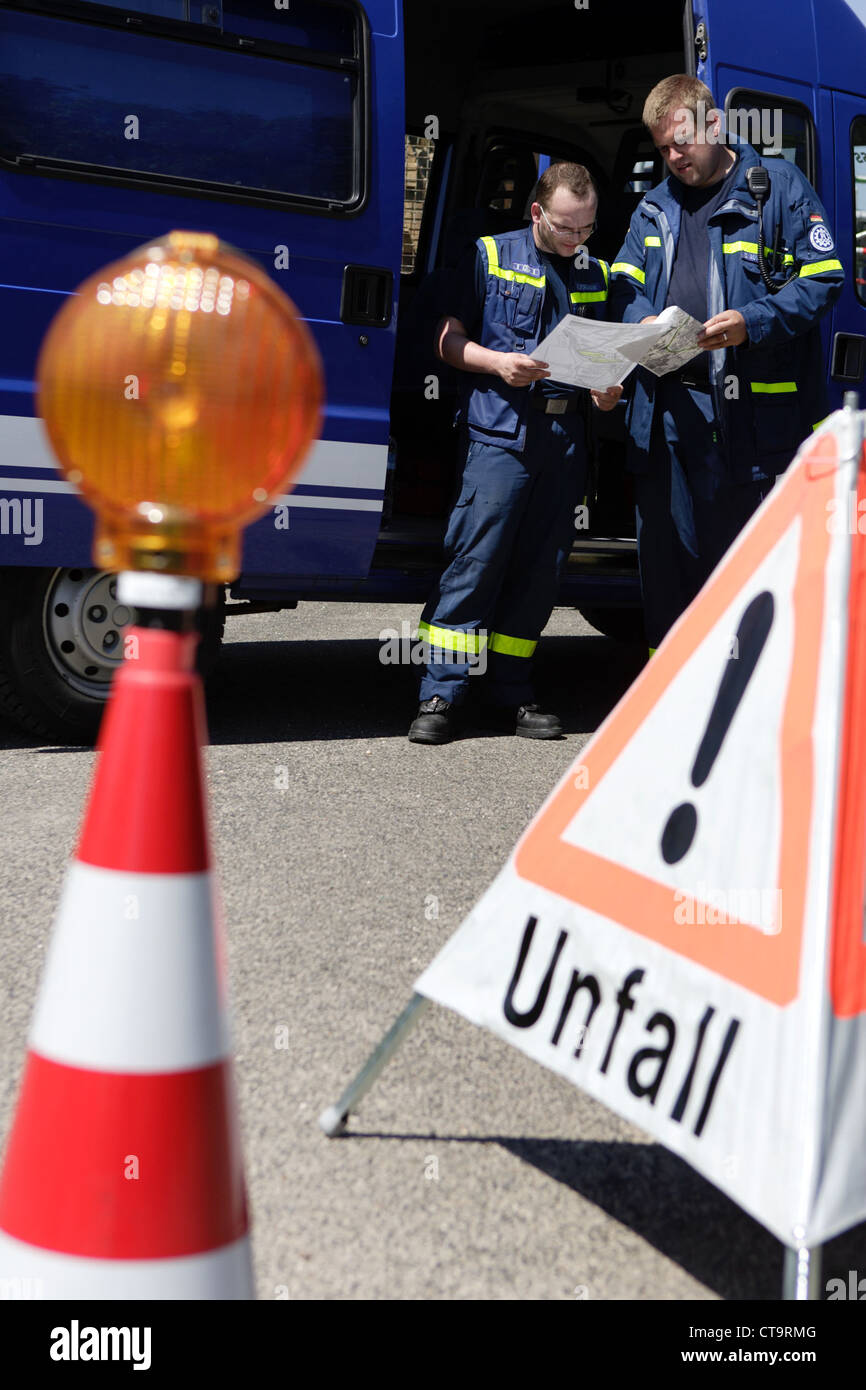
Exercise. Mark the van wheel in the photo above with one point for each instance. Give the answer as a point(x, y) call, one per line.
point(61, 641)
point(623, 624)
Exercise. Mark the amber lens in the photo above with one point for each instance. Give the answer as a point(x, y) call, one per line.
point(181, 391)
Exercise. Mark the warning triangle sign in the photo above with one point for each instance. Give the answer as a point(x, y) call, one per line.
point(680, 929)
point(717, 728)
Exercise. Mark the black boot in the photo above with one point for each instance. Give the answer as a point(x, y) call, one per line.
point(532, 723)
point(527, 721)
point(435, 722)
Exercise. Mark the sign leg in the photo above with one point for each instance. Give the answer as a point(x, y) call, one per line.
point(333, 1120)
point(802, 1273)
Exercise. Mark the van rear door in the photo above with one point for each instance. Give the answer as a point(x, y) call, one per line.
point(849, 312)
point(841, 43)
point(772, 66)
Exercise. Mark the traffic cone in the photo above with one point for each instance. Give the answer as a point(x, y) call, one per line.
point(123, 1176)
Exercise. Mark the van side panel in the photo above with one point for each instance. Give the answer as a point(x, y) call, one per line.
point(57, 228)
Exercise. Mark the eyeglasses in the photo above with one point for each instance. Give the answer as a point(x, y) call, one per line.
point(568, 231)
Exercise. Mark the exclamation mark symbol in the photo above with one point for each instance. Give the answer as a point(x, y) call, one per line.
point(752, 634)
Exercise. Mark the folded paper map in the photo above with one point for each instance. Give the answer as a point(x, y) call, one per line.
point(581, 352)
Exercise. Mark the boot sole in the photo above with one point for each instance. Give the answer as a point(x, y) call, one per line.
point(538, 733)
point(421, 737)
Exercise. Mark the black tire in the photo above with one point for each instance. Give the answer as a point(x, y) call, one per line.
point(61, 640)
point(623, 624)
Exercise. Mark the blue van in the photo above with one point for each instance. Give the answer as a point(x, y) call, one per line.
point(356, 151)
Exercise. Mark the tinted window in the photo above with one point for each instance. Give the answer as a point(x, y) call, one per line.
point(307, 23)
point(166, 9)
point(175, 111)
point(858, 162)
point(775, 126)
point(419, 163)
point(315, 24)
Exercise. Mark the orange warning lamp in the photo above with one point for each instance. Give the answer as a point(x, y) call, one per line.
point(180, 391)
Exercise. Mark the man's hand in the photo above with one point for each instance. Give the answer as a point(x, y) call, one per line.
point(724, 330)
point(650, 318)
point(517, 369)
point(606, 400)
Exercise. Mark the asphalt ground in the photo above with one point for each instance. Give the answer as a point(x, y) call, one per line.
point(346, 858)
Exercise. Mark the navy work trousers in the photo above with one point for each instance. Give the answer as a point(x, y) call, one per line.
point(509, 534)
point(688, 510)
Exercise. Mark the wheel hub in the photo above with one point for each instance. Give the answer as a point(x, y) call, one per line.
point(84, 626)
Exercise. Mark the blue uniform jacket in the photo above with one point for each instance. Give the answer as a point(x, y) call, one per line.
point(770, 392)
point(494, 412)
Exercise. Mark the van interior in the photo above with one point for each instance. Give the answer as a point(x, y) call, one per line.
point(491, 87)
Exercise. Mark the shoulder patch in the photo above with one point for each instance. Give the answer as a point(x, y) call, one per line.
point(816, 217)
point(820, 238)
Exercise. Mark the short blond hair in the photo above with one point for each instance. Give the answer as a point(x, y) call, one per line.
point(677, 93)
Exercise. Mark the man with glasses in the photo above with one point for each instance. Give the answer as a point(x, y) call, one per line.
point(524, 459)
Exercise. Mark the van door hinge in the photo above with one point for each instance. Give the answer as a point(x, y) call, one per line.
point(701, 41)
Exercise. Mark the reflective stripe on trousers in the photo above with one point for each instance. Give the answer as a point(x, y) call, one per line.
point(509, 534)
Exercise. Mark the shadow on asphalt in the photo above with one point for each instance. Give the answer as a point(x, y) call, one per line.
point(666, 1202)
point(287, 692)
point(296, 691)
point(284, 692)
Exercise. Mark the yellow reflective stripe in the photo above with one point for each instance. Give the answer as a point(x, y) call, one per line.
point(773, 388)
point(492, 254)
point(652, 241)
point(818, 267)
point(653, 650)
point(729, 247)
point(451, 639)
point(818, 423)
point(511, 646)
point(605, 268)
point(623, 268)
point(518, 278)
point(494, 268)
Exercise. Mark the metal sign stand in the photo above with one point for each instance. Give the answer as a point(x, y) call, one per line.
point(802, 1268)
point(333, 1120)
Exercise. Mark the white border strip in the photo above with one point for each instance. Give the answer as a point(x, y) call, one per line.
point(323, 503)
point(130, 981)
point(33, 485)
point(330, 463)
point(28, 1272)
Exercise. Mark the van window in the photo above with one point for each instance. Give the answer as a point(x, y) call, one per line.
point(774, 125)
point(326, 27)
point(858, 172)
point(165, 9)
point(192, 111)
point(419, 163)
point(317, 24)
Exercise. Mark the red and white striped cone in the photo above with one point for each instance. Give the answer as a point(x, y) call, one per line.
point(123, 1175)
